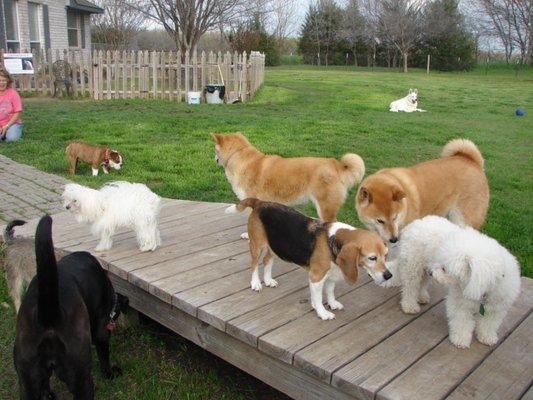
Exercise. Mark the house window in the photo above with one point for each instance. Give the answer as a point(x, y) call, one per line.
point(12, 25)
point(33, 21)
point(73, 27)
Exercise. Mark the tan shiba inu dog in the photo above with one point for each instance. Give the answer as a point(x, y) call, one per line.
point(453, 186)
point(324, 181)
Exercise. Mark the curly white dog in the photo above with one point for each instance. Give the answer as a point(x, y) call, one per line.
point(116, 205)
point(483, 278)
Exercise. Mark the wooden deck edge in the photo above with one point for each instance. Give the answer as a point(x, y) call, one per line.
point(284, 377)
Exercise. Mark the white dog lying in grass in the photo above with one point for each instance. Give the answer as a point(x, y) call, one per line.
point(116, 205)
point(483, 278)
point(408, 103)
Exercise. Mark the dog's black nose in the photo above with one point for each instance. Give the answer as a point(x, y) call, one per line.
point(393, 239)
point(67, 207)
point(387, 275)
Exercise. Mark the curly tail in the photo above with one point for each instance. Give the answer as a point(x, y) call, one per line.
point(353, 169)
point(242, 205)
point(48, 312)
point(464, 148)
point(8, 232)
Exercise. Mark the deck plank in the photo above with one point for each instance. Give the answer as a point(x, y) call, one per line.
point(337, 349)
point(204, 274)
point(425, 379)
point(506, 374)
point(192, 299)
point(220, 311)
point(248, 327)
point(366, 374)
point(173, 268)
point(285, 341)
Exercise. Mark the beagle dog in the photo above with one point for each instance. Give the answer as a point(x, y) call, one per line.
point(329, 250)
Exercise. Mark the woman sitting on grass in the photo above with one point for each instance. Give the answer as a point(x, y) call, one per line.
point(10, 109)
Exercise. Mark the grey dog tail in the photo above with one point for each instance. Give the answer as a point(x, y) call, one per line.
point(8, 233)
point(48, 299)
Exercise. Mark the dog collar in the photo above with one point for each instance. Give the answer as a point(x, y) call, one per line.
point(334, 245)
point(113, 315)
point(106, 156)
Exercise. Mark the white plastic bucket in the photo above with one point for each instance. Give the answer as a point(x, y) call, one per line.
point(193, 97)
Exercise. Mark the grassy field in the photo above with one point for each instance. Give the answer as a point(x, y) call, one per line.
point(300, 111)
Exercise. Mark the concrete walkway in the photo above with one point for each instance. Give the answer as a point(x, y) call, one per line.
point(26, 192)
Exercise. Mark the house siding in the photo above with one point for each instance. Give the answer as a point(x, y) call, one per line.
point(57, 14)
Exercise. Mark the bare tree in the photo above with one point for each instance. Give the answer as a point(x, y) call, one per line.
point(498, 23)
point(511, 22)
point(400, 21)
point(187, 20)
point(522, 19)
point(119, 23)
point(282, 18)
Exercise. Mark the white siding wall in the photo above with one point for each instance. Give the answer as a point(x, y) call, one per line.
point(57, 14)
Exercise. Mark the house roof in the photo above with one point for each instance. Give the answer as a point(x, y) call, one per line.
point(85, 6)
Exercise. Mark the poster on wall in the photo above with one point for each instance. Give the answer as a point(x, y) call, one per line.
point(18, 63)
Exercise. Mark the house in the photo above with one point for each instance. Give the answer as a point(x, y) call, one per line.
point(46, 24)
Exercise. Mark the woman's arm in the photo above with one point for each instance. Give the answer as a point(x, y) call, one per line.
point(14, 118)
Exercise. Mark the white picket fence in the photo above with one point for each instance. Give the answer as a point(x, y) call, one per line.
point(147, 74)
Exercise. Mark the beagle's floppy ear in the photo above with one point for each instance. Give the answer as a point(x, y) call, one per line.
point(364, 195)
point(217, 137)
point(397, 194)
point(348, 262)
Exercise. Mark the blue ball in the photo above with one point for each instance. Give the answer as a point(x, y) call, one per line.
point(520, 112)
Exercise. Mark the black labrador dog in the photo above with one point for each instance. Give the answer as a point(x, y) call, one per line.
point(68, 305)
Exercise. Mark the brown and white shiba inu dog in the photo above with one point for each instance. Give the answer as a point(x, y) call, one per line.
point(324, 181)
point(453, 186)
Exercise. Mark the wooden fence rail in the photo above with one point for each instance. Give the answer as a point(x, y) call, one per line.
point(146, 74)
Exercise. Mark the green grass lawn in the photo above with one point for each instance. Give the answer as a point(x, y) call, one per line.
point(300, 111)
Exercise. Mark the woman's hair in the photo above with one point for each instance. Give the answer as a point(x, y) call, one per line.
point(5, 74)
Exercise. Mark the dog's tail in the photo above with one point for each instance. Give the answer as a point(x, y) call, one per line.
point(241, 206)
point(8, 232)
point(48, 300)
point(352, 169)
point(464, 148)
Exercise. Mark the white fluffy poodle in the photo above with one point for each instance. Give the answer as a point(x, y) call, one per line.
point(483, 278)
point(116, 205)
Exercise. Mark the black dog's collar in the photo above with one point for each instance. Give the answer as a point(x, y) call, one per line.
point(113, 315)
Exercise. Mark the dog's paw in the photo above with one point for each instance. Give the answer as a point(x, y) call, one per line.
point(102, 247)
point(325, 315)
point(335, 305)
point(460, 341)
point(271, 282)
point(256, 286)
point(409, 308)
point(244, 236)
point(114, 372)
point(487, 338)
point(423, 298)
point(231, 209)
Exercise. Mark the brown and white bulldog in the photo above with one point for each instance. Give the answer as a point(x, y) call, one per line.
point(95, 155)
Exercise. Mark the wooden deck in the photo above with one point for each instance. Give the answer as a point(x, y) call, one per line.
point(198, 284)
